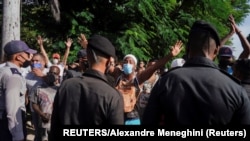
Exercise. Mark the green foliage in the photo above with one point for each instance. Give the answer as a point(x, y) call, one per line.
point(37, 20)
point(145, 28)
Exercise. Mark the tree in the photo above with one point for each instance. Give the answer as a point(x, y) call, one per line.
point(145, 28)
point(11, 22)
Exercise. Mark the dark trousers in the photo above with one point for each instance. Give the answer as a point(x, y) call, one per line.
point(24, 124)
point(5, 134)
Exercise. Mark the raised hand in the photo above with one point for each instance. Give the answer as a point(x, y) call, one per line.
point(82, 40)
point(176, 49)
point(68, 43)
point(39, 40)
point(233, 24)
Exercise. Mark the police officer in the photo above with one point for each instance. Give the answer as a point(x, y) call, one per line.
point(12, 91)
point(198, 93)
point(89, 100)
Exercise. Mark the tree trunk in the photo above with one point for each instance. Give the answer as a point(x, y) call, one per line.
point(11, 22)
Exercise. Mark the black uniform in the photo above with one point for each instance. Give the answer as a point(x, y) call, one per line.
point(87, 100)
point(246, 84)
point(197, 94)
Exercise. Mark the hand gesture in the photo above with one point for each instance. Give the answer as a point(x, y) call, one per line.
point(233, 24)
point(82, 40)
point(45, 117)
point(68, 43)
point(38, 72)
point(176, 49)
point(39, 40)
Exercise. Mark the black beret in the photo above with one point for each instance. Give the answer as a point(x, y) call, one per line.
point(205, 26)
point(102, 44)
point(16, 46)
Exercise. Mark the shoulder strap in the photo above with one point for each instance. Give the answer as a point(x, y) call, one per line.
point(15, 71)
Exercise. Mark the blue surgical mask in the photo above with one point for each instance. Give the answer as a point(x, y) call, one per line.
point(127, 68)
point(36, 65)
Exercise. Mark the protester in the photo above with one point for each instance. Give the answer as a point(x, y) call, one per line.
point(34, 79)
point(56, 57)
point(141, 67)
point(198, 93)
point(242, 72)
point(129, 83)
point(226, 58)
point(13, 90)
point(147, 87)
point(42, 101)
point(77, 68)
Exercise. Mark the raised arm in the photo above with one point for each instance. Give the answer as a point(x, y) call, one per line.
point(43, 51)
point(229, 35)
point(145, 75)
point(244, 42)
point(82, 41)
point(68, 44)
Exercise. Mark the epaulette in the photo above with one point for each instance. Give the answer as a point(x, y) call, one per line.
point(231, 76)
point(15, 71)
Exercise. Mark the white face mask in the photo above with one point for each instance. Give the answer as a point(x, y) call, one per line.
point(55, 61)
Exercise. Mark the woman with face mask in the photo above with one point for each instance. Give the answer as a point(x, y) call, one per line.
point(129, 83)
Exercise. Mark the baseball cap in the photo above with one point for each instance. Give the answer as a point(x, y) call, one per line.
point(56, 55)
point(102, 44)
point(82, 53)
point(225, 51)
point(178, 62)
point(16, 46)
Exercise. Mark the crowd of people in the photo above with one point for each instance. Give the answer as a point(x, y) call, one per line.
point(99, 89)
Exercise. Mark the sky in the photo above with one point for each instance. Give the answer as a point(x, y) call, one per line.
point(245, 28)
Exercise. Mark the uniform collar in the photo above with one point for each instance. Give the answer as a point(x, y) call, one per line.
point(200, 61)
point(95, 73)
point(12, 65)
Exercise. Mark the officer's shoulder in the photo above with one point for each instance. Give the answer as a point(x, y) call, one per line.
point(15, 71)
point(230, 76)
point(170, 70)
point(72, 80)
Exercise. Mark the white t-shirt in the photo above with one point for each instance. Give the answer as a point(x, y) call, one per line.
point(33, 81)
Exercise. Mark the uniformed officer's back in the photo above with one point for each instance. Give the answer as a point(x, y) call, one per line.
point(198, 93)
point(90, 99)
